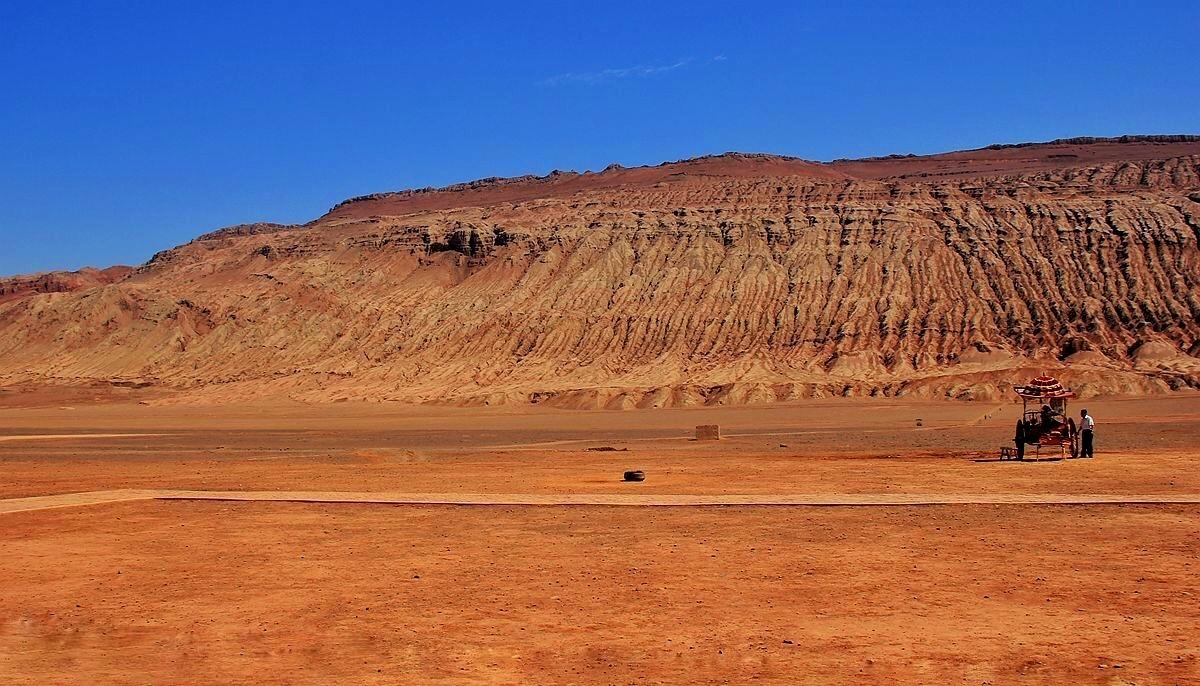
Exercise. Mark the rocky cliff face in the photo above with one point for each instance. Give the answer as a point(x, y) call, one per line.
point(725, 280)
point(17, 287)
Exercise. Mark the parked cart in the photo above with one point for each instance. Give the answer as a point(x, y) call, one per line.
point(1044, 421)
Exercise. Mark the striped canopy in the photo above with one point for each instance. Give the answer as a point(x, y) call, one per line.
point(1042, 388)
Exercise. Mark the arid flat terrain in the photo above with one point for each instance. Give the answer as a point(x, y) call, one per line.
point(199, 592)
point(846, 445)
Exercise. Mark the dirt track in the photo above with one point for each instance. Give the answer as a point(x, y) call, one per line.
point(66, 437)
point(603, 499)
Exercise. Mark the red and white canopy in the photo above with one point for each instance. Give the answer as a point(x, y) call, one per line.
point(1043, 388)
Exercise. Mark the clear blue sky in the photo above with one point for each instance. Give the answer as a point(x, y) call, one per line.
point(130, 127)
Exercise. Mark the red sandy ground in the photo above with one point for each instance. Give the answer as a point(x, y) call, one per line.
point(279, 593)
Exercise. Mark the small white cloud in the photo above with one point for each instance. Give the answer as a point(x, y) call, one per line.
point(719, 58)
point(594, 77)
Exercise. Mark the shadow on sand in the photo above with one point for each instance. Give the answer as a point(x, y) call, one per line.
point(1016, 461)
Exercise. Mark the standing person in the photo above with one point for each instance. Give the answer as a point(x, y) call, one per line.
point(1086, 426)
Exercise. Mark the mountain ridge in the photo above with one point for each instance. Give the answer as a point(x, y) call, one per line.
point(713, 286)
point(803, 165)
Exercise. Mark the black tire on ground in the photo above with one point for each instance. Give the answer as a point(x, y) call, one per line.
point(1019, 439)
point(636, 475)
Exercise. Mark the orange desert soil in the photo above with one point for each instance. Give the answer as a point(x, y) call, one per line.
point(202, 592)
point(827, 446)
point(274, 593)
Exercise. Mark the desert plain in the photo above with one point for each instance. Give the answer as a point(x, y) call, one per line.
point(923, 558)
point(386, 446)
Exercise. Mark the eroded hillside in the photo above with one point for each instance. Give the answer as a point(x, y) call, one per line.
point(726, 280)
point(17, 287)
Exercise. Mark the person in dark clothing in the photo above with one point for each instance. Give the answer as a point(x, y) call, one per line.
point(1050, 420)
point(1087, 427)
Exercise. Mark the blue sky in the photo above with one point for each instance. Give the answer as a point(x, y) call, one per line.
point(130, 127)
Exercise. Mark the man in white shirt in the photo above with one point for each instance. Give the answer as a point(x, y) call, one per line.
point(1087, 426)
